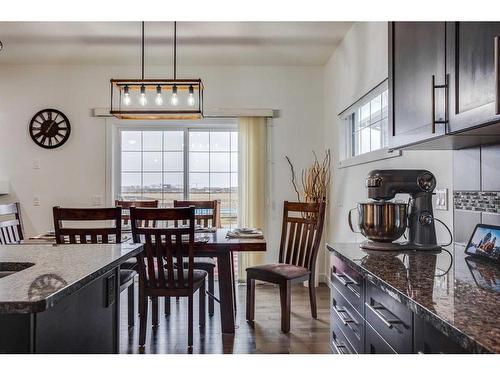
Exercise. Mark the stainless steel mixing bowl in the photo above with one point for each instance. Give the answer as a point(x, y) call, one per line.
point(381, 221)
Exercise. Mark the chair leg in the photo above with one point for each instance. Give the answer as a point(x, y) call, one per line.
point(285, 298)
point(143, 316)
point(190, 322)
point(234, 282)
point(167, 306)
point(211, 289)
point(250, 299)
point(203, 298)
point(131, 304)
point(312, 298)
point(154, 310)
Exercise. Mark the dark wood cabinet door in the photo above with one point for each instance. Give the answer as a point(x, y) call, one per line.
point(428, 340)
point(374, 344)
point(416, 54)
point(471, 67)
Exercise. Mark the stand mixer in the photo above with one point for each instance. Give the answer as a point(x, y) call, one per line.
point(383, 222)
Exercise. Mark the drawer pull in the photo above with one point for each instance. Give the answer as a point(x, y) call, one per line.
point(388, 322)
point(341, 348)
point(340, 277)
point(345, 320)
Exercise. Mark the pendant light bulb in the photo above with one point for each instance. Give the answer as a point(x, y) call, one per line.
point(159, 97)
point(174, 100)
point(191, 96)
point(143, 100)
point(126, 96)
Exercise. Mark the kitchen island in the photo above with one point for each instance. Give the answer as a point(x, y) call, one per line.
point(61, 298)
point(412, 302)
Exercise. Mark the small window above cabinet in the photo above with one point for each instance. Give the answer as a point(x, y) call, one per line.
point(364, 128)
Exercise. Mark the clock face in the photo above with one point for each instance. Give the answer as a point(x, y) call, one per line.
point(49, 128)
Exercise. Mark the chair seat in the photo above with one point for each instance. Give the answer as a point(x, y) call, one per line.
point(198, 276)
point(201, 262)
point(126, 276)
point(274, 271)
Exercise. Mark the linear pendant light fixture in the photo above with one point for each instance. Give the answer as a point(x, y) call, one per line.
point(157, 99)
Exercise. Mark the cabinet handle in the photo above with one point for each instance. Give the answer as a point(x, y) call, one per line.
point(388, 322)
point(497, 75)
point(341, 348)
point(339, 311)
point(347, 283)
point(433, 98)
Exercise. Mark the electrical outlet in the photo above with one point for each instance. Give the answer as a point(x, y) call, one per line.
point(36, 164)
point(96, 200)
point(36, 201)
point(441, 200)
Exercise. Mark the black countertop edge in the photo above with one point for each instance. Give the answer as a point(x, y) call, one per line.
point(443, 326)
point(51, 300)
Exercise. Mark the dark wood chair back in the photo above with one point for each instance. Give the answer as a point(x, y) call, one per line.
point(164, 248)
point(11, 230)
point(207, 213)
point(301, 233)
point(83, 235)
point(125, 205)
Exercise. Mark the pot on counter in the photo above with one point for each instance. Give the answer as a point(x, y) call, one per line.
point(381, 221)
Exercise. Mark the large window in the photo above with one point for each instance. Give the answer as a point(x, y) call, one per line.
point(366, 123)
point(195, 164)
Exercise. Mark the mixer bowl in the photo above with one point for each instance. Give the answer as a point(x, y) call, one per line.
point(381, 221)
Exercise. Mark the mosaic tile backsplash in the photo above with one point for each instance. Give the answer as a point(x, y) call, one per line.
point(485, 201)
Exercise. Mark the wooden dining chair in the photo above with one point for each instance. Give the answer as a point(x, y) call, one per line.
point(207, 214)
point(93, 235)
point(161, 263)
point(131, 264)
point(11, 229)
point(125, 205)
point(300, 241)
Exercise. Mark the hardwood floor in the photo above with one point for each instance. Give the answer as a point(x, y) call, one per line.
point(307, 336)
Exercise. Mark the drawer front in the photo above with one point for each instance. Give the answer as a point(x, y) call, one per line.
point(374, 344)
point(391, 319)
point(348, 281)
point(348, 319)
point(338, 342)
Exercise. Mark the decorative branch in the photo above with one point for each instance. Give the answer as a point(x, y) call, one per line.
point(315, 180)
point(293, 177)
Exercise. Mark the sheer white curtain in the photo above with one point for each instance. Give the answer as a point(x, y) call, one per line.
point(252, 183)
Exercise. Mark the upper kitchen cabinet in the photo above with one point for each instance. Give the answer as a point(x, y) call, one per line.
point(417, 80)
point(473, 67)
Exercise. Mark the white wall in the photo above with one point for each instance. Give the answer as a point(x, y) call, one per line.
point(72, 174)
point(356, 66)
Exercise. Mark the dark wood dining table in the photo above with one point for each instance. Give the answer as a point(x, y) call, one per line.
point(218, 246)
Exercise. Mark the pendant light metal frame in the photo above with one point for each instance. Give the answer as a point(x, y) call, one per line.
point(118, 85)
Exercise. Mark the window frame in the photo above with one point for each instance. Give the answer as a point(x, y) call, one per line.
point(208, 125)
point(346, 120)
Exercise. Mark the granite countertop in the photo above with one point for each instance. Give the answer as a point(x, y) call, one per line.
point(460, 297)
point(53, 272)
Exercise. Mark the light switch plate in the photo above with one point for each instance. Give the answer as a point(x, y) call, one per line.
point(441, 200)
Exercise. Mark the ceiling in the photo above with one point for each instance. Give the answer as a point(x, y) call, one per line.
point(198, 43)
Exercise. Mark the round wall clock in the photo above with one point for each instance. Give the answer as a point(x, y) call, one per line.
point(49, 128)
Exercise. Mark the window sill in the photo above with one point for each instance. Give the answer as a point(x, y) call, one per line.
point(370, 157)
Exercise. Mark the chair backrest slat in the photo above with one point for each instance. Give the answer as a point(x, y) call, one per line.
point(125, 205)
point(207, 213)
point(301, 233)
point(11, 230)
point(83, 235)
point(165, 247)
